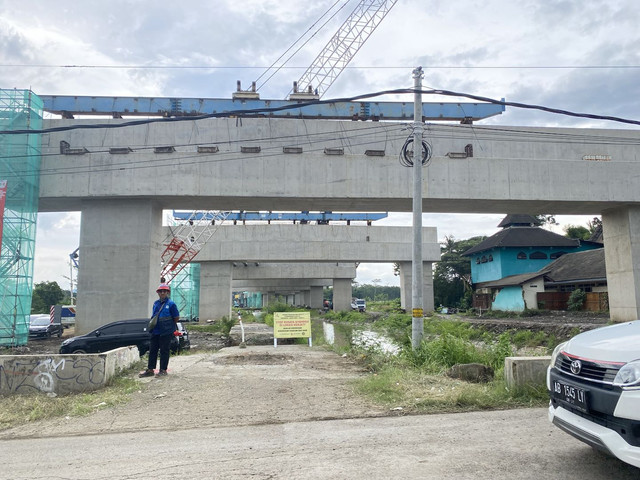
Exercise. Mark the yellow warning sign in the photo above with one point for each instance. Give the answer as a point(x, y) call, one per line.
point(417, 312)
point(292, 325)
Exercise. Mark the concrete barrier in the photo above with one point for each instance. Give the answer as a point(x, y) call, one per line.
point(521, 371)
point(62, 374)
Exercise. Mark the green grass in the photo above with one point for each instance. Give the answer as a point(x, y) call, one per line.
point(417, 390)
point(222, 326)
point(415, 380)
point(346, 317)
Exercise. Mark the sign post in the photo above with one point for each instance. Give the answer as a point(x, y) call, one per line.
point(291, 325)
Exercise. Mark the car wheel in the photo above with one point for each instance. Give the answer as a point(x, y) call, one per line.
point(79, 351)
point(59, 334)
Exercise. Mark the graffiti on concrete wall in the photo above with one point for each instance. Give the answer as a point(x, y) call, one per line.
point(50, 374)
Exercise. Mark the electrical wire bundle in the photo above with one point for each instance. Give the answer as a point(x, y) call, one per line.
point(406, 155)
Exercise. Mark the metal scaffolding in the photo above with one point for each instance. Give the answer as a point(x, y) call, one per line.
point(19, 193)
point(185, 291)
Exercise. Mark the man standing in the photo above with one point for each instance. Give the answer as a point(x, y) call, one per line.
point(162, 333)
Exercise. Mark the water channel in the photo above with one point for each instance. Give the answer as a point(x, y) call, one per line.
point(345, 335)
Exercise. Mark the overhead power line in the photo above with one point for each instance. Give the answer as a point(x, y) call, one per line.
point(392, 130)
point(301, 46)
point(304, 67)
point(293, 106)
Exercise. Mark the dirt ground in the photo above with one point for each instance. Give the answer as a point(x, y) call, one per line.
point(562, 324)
point(236, 386)
point(237, 410)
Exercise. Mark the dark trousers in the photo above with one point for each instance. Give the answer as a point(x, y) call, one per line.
point(162, 343)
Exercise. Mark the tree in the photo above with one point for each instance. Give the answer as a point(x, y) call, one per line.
point(452, 274)
point(577, 231)
point(583, 233)
point(44, 295)
point(452, 264)
point(576, 300)
point(594, 224)
point(376, 283)
point(396, 269)
point(547, 219)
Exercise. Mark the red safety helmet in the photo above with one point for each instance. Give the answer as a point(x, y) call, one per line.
point(163, 286)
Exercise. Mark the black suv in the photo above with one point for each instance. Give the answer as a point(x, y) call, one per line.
point(121, 334)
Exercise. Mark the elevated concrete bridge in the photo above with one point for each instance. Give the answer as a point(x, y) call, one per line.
point(310, 243)
point(126, 176)
point(304, 281)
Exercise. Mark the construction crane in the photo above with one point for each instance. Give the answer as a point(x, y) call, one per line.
point(344, 44)
point(334, 57)
point(330, 62)
point(73, 263)
point(187, 239)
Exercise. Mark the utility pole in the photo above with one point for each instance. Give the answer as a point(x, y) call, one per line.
point(417, 315)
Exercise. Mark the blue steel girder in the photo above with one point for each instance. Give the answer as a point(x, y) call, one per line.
point(288, 216)
point(68, 106)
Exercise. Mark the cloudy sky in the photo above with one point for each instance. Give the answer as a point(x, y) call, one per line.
point(579, 55)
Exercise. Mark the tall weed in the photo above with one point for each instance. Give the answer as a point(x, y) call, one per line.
point(498, 351)
point(458, 329)
point(346, 317)
point(442, 352)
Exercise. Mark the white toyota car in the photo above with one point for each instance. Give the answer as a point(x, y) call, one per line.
point(594, 385)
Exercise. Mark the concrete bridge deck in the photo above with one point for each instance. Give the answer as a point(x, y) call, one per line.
point(340, 168)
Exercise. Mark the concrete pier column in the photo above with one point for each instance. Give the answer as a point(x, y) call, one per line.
point(315, 297)
point(306, 297)
point(405, 286)
point(342, 294)
point(621, 233)
point(120, 246)
point(268, 297)
point(215, 290)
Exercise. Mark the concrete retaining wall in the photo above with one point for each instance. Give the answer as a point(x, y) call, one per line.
point(521, 371)
point(62, 374)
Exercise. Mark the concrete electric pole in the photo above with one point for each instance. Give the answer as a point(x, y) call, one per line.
point(417, 315)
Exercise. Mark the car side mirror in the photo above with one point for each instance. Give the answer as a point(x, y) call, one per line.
point(98, 333)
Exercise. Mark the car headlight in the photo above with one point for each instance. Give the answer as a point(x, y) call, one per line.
point(67, 341)
point(556, 352)
point(628, 375)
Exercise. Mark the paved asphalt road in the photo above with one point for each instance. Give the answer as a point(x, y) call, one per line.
point(513, 444)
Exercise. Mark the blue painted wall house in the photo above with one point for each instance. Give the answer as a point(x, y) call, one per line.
point(520, 247)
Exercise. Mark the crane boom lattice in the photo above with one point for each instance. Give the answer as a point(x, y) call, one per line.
point(187, 239)
point(344, 44)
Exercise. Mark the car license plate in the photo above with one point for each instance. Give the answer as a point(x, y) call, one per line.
point(574, 396)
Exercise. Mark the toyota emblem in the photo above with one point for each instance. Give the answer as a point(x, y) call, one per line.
point(576, 366)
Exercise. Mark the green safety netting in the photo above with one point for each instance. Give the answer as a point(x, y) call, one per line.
point(185, 291)
point(19, 193)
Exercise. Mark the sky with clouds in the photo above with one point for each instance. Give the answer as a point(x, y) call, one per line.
point(578, 55)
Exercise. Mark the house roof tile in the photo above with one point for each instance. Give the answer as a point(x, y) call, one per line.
point(523, 237)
